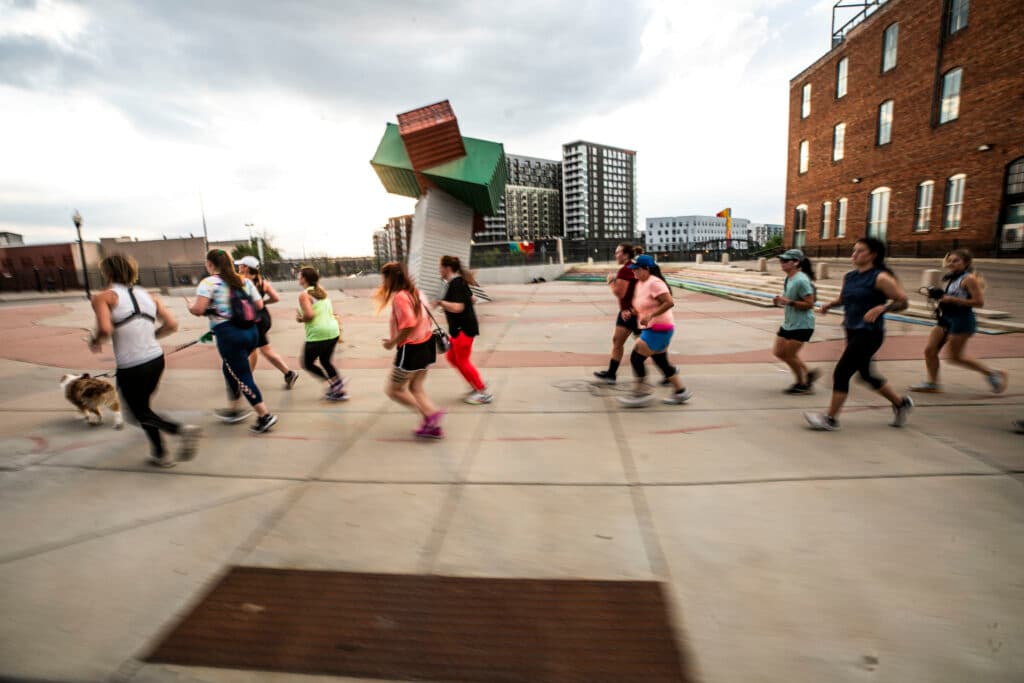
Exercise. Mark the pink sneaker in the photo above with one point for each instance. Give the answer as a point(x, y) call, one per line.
point(429, 432)
point(435, 419)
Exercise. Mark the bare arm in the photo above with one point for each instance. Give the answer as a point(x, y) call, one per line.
point(619, 288)
point(169, 323)
point(306, 314)
point(198, 306)
point(451, 306)
point(889, 286)
point(101, 304)
point(270, 292)
point(977, 299)
point(665, 303)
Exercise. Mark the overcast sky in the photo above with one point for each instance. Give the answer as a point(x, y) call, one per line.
point(270, 111)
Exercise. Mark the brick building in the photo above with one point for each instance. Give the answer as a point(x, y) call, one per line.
point(912, 129)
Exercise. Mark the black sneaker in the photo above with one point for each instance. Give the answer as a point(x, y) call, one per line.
point(798, 389)
point(232, 416)
point(166, 460)
point(812, 376)
point(264, 423)
point(290, 378)
point(604, 377)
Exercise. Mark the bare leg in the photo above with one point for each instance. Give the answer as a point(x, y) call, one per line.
point(957, 344)
point(419, 394)
point(786, 350)
point(887, 391)
point(836, 404)
point(619, 338)
point(936, 339)
point(274, 359)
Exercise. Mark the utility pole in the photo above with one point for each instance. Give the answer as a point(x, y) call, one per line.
point(77, 218)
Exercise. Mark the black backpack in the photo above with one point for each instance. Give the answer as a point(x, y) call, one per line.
point(243, 311)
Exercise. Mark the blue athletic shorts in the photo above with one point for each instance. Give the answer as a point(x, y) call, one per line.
point(960, 324)
point(657, 341)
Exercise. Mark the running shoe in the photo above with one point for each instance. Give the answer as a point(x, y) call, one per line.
point(166, 461)
point(677, 397)
point(232, 416)
point(927, 388)
point(604, 377)
point(338, 395)
point(798, 389)
point(901, 412)
point(667, 381)
point(812, 376)
point(189, 442)
point(478, 398)
point(639, 400)
point(822, 422)
point(264, 423)
point(435, 419)
point(430, 432)
point(997, 380)
point(290, 378)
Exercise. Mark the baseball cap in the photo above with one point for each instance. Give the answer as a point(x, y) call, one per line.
point(250, 261)
point(643, 261)
point(791, 255)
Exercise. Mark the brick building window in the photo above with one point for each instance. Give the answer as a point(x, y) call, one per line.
point(884, 123)
point(800, 226)
point(878, 213)
point(805, 101)
point(923, 213)
point(951, 95)
point(954, 202)
point(889, 40)
point(842, 68)
point(841, 217)
point(805, 155)
point(1015, 178)
point(958, 15)
point(838, 141)
point(826, 219)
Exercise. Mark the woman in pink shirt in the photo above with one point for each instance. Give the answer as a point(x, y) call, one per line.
point(412, 334)
point(652, 306)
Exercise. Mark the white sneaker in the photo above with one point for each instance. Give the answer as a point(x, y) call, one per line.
point(901, 412)
point(821, 422)
point(189, 442)
point(637, 400)
point(997, 380)
point(478, 398)
point(677, 397)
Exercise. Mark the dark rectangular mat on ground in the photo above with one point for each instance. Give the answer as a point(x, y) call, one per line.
point(432, 628)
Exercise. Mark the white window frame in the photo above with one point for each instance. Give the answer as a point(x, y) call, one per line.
point(800, 225)
point(923, 206)
point(885, 117)
point(805, 156)
point(958, 11)
point(826, 219)
point(878, 212)
point(841, 208)
point(805, 101)
point(952, 82)
point(890, 44)
point(952, 214)
point(839, 141)
point(842, 74)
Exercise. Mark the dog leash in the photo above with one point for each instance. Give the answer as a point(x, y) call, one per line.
point(204, 339)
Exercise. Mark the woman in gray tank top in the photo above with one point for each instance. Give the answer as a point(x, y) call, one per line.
point(127, 315)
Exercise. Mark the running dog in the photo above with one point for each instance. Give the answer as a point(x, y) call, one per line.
point(89, 394)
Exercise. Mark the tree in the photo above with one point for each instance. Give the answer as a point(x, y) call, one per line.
point(773, 242)
point(270, 253)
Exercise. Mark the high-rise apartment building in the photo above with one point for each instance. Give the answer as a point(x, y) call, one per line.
point(531, 207)
point(381, 246)
point(599, 191)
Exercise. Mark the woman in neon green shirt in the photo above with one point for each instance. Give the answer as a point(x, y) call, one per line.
point(322, 332)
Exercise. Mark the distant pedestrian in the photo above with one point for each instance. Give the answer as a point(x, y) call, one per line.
point(127, 315)
point(798, 320)
point(463, 327)
point(249, 268)
point(652, 305)
point(622, 284)
point(964, 291)
point(230, 303)
point(322, 333)
point(863, 297)
point(411, 332)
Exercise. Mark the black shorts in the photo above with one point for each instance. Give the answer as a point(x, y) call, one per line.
point(803, 335)
point(413, 357)
point(629, 324)
point(262, 327)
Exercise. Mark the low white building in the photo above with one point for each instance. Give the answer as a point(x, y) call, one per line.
point(669, 234)
point(762, 232)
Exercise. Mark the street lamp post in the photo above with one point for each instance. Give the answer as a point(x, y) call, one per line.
point(77, 218)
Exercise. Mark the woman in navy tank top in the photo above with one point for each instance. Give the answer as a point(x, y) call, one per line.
point(863, 298)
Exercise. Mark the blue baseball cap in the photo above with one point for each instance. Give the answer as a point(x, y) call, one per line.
point(643, 261)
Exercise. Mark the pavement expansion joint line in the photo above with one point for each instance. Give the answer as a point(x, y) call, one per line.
point(136, 524)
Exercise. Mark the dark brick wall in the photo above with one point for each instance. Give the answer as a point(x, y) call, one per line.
point(990, 51)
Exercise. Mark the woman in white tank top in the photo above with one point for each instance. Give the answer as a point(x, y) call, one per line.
point(127, 315)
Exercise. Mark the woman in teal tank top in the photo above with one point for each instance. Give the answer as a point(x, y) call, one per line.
point(322, 332)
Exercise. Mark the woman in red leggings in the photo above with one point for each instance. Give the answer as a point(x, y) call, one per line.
point(457, 303)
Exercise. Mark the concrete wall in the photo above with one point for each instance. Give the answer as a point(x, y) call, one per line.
point(158, 253)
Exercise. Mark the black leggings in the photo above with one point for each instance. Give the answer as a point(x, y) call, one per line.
point(636, 359)
point(322, 351)
point(137, 385)
point(861, 346)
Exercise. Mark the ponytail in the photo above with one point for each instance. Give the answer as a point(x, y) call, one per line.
point(312, 278)
point(806, 269)
point(453, 263)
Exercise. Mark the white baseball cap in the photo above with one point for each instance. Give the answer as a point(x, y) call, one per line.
point(250, 261)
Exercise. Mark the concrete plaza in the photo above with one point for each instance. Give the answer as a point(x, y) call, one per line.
point(871, 553)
